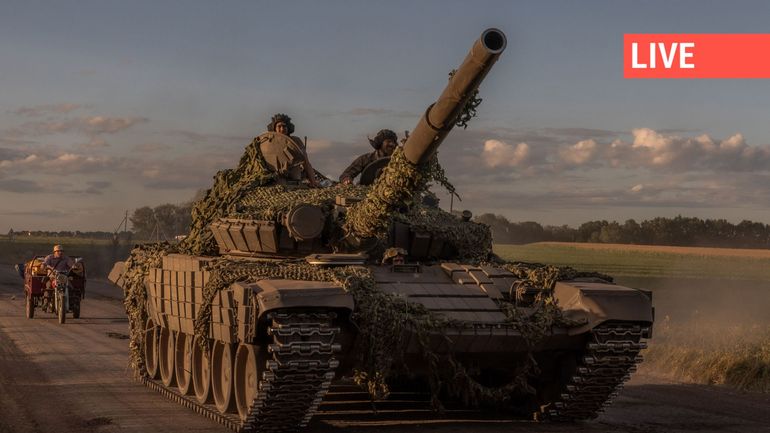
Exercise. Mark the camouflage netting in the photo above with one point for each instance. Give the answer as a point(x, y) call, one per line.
point(469, 109)
point(230, 186)
point(395, 190)
point(383, 321)
point(137, 267)
point(473, 241)
point(267, 203)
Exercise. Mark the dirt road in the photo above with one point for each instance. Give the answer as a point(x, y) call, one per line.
point(73, 378)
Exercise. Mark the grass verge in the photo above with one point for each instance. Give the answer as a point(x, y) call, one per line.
point(662, 262)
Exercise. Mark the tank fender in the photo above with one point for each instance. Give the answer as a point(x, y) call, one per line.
point(588, 304)
point(279, 294)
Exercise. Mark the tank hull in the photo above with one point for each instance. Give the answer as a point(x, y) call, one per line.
point(288, 340)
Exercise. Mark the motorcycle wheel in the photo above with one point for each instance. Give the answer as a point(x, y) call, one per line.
point(76, 309)
point(30, 306)
point(61, 310)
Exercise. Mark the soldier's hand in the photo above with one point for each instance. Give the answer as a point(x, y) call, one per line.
point(346, 181)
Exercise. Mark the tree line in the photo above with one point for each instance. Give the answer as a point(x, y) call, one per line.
point(164, 222)
point(677, 231)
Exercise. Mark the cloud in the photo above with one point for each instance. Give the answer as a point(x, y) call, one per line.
point(7, 154)
point(41, 213)
point(579, 153)
point(193, 137)
point(19, 186)
point(65, 163)
point(315, 146)
point(95, 142)
point(188, 172)
point(578, 133)
point(95, 187)
point(659, 151)
point(152, 147)
point(42, 110)
point(364, 111)
point(15, 142)
point(497, 153)
point(84, 125)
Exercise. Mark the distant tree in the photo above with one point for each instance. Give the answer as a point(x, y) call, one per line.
point(162, 222)
point(143, 222)
point(611, 233)
point(590, 231)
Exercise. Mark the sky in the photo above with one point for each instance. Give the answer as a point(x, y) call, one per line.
point(107, 106)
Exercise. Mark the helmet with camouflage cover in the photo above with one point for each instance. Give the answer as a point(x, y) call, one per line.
point(281, 118)
point(381, 136)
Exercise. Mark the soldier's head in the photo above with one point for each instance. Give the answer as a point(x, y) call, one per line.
point(385, 141)
point(58, 250)
point(281, 123)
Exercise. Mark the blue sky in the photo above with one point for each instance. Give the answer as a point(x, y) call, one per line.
point(108, 106)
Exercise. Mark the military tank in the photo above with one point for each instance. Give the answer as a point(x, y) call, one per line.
point(281, 289)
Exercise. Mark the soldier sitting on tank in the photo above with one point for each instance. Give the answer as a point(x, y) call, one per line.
point(281, 124)
point(384, 143)
point(57, 262)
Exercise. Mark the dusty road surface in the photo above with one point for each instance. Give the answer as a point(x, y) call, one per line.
point(73, 378)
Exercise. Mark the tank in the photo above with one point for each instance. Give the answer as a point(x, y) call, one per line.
point(283, 294)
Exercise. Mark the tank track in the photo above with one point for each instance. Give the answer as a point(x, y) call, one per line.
point(297, 375)
point(609, 358)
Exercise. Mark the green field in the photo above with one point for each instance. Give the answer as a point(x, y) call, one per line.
point(99, 255)
point(634, 263)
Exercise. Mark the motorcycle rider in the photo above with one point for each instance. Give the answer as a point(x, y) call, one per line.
point(58, 261)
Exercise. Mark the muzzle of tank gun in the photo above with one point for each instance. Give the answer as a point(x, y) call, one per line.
point(441, 116)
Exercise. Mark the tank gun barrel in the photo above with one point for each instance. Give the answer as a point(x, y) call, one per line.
point(441, 116)
point(400, 180)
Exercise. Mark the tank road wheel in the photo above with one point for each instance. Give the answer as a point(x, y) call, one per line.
point(183, 363)
point(151, 349)
point(166, 351)
point(249, 364)
point(201, 372)
point(30, 304)
point(222, 376)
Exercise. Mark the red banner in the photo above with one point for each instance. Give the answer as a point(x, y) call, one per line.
point(696, 56)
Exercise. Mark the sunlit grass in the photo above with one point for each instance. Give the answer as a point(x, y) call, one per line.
point(712, 352)
point(640, 263)
point(700, 349)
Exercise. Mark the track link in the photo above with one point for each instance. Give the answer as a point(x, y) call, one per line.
point(295, 378)
point(610, 356)
point(297, 375)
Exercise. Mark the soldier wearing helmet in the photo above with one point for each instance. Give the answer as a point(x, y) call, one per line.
point(384, 143)
point(281, 124)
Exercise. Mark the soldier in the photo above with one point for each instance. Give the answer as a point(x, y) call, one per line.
point(281, 124)
point(384, 143)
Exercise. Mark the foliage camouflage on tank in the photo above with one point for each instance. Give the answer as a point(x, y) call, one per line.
point(375, 283)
